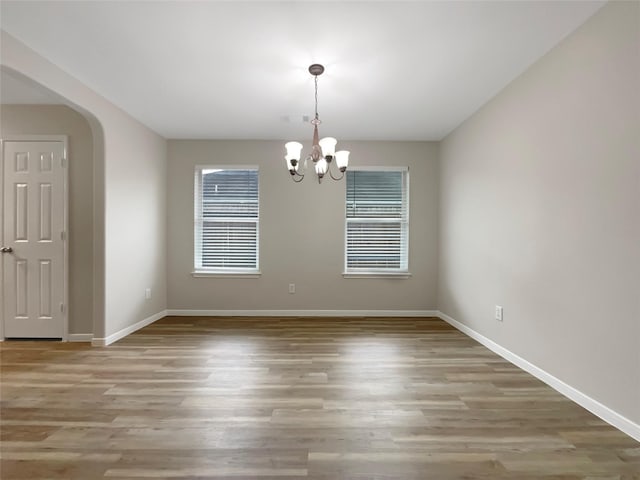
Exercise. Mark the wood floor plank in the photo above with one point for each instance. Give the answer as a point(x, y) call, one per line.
point(293, 398)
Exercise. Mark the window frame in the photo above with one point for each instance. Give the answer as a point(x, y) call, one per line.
point(198, 222)
point(401, 272)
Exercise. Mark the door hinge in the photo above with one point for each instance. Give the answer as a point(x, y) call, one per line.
point(62, 308)
point(63, 235)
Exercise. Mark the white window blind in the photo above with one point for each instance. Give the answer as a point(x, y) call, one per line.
point(226, 219)
point(377, 221)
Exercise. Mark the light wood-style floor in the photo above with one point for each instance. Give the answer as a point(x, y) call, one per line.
point(276, 398)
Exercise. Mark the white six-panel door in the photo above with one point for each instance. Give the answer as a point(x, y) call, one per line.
point(33, 239)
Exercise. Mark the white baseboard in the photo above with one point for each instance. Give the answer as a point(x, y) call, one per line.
point(303, 313)
point(114, 337)
point(605, 413)
point(80, 337)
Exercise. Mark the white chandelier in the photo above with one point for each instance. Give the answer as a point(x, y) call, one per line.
point(322, 151)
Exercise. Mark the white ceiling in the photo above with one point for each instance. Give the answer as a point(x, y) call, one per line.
point(394, 70)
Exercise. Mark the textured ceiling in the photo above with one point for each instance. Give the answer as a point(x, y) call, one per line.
point(394, 70)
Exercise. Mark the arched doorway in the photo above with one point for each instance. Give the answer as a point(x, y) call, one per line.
point(28, 109)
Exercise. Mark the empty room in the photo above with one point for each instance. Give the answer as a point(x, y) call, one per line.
point(368, 240)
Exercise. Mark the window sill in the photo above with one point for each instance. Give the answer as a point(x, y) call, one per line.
point(397, 275)
point(210, 274)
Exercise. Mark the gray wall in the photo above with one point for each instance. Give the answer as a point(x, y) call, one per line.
point(301, 232)
point(539, 212)
point(61, 120)
point(129, 197)
point(136, 230)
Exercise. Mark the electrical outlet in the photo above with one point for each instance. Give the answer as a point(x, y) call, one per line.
point(147, 293)
point(498, 313)
point(292, 288)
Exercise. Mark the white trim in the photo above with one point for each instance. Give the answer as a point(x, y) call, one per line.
point(229, 274)
point(380, 168)
point(605, 413)
point(65, 166)
point(398, 275)
point(64, 139)
point(302, 313)
point(215, 166)
point(80, 337)
point(114, 337)
point(35, 138)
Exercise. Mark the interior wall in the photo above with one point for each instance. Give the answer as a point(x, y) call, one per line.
point(539, 213)
point(129, 198)
point(136, 231)
point(301, 232)
point(61, 120)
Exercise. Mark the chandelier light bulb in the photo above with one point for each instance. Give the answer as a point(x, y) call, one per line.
point(321, 167)
point(294, 150)
point(342, 159)
point(328, 146)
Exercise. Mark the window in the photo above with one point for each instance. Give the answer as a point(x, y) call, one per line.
point(226, 220)
point(377, 221)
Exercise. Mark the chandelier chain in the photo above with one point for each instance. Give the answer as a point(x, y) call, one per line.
point(316, 82)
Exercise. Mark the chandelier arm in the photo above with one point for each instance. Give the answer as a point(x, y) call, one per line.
point(296, 173)
point(302, 167)
point(331, 174)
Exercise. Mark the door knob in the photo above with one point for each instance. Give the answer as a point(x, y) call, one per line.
point(6, 249)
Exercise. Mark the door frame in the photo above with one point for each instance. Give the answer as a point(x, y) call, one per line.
point(65, 222)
